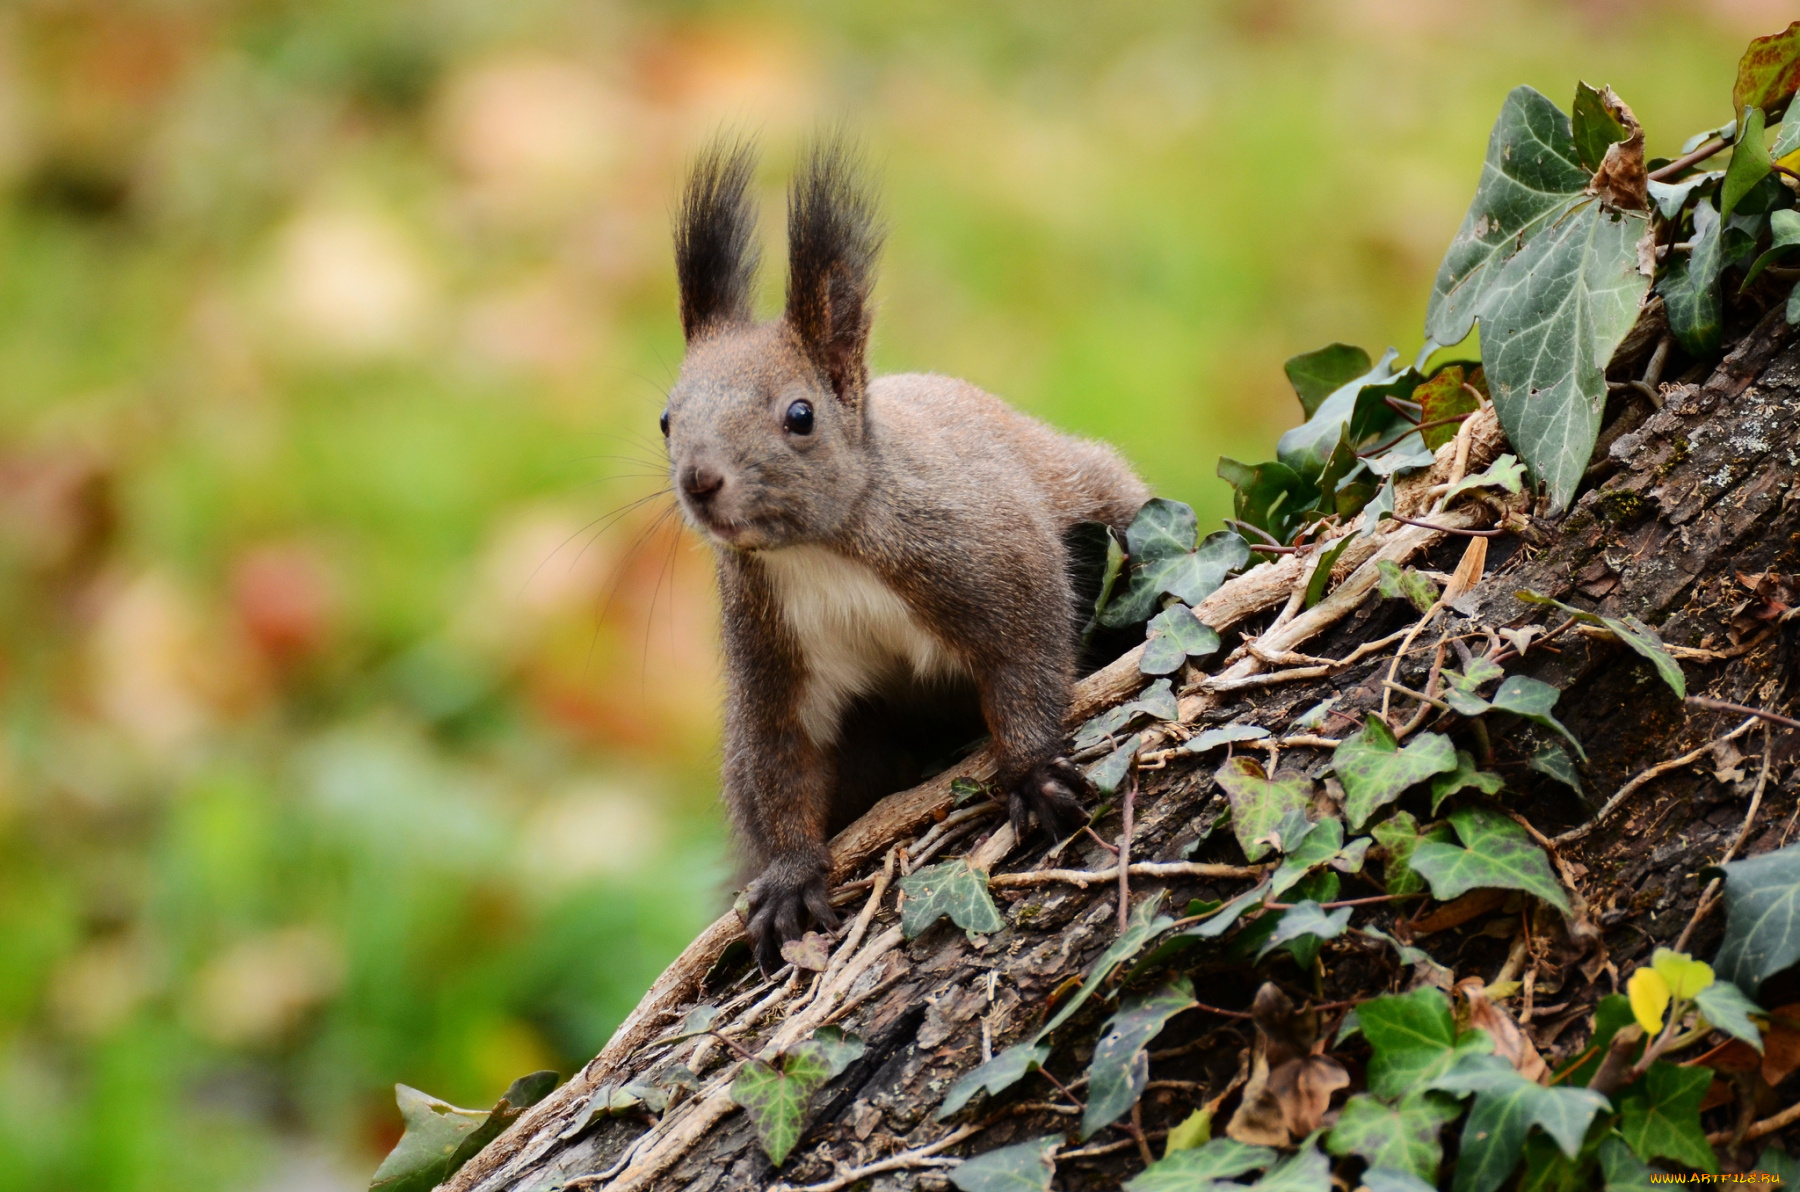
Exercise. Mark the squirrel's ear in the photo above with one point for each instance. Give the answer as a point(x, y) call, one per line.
point(715, 238)
point(833, 239)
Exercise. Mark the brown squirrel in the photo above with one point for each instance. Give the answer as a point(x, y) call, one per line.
point(891, 551)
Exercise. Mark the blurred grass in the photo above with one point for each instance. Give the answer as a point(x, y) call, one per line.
point(348, 737)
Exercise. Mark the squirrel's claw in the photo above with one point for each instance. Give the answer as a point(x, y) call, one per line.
point(781, 902)
point(1050, 793)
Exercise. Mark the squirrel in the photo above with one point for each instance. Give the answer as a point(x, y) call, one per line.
point(892, 564)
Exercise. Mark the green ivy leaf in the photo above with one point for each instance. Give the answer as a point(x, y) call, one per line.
point(1307, 1171)
point(1305, 449)
point(1271, 496)
point(1784, 1167)
point(1258, 802)
point(1221, 920)
point(1379, 507)
point(1305, 919)
point(1006, 1069)
point(1399, 835)
point(1629, 631)
point(1749, 161)
point(1120, 1067)
point(1176, 635)
point(1409, 955)
point(1023, 1167)
point(1387, 1179)
point(1788, 139)
point(1504, 473)
point(838, 1048)
point(1316, 375)
point(1096, 550)
point(1413, 1039)
point(1785, 229)
point(1464, 776)
point(1192, 1131)
point(953, 888)
point(1408, 585)
point(1762, 918)
point(1769, 71)
point(1106, 774)
point(1320, 845)
point(1595, 129)
point(1671, 197)
point(1532, 171)
point(440, 1138)
point(1659, 1116)
point(1527, 697)
point(1230, 734)
point(1403, 1136)
point(1551, 759)
point(1162, 566)
point(1200, 1170)
point(1375, 770)
point(1506, 1107)
point(1157, 700)
point(775, 1095)
point(1444, 396)
point(1145, 922)
point(1725, 1007)
point(1496, 854)
point(1321, 572)
point(963, 790)
point(1621, 1170)
point(1690, 286)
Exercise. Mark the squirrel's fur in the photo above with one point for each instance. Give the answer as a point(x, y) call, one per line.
point(892, 560)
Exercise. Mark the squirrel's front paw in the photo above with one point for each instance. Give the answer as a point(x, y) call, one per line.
point(781, 901)
point(1051, 793)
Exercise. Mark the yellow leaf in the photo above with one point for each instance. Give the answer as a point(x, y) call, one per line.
point(1649, 998)
point(1685, 976)
point(1194, 1130)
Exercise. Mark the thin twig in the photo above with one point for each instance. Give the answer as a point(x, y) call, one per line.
point(1124, 865)
point(1403, 689)
point(1379, 448)
point(1497, 533)
point(1720, 705)
point(1709, 896)
point(1768, 1125)
point(1659, 769)
point(1406, 645)
point(1087, 877)
point(905, 1160)
point(1664, 173)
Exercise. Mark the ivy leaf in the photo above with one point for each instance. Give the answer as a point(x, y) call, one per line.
point(996, 1076)
point(1190, 1133)
point(1749, 161)
point(1784, 1167)
point(1550, 322)
point(776, 1095)
point(1221, 920)
point(1551, 759)
point(440, 1138)
point(1375, 770)
point(1271, 496)
point(1594, 126)
point(1409, 955)
point(1464, 776)
point(1023, 1167)
point(1671, 197)
point(1175, 635)
point(838, 1048)
point(1120, 1067)
point(1199, 1170)
point(1316, 375)
point(1725, 1007)
point(1769, 71)
point(1788, 139)
point(1507, 1106)
point(1230, 734)
point(1380, 507)
point(963, 790)
point(1110, 771)
point(1408, 585)
point(1785, 229)
point(1659, 1116)
point(1307, 1171)
point(1690, 286)
point(1318, 846)
point(1532, 171)
point(1762, 918)
point(1532, 699)
point(1144, 922)
point(1413, 1040)
point(953, 888)
point(1629, 631)
point(811, 951)
point(1387, 1179)
point(1258, 802)
point(1165, 560)
point(1399, 835)
point(1321, 572)
point(1496, 854)
point(1303, 920)
point(1621, 1170)
point(1157, 700)
point(1444, 396)
point(1402, 1136)
point(1504, 473)
point(1305, 449)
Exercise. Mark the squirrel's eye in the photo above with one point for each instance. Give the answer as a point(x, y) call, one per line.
point(799, 419)
point(665, 424)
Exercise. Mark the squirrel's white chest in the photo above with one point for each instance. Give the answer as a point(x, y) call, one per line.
point(854, 631)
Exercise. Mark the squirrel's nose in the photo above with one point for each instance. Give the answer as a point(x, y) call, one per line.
point(700, 481)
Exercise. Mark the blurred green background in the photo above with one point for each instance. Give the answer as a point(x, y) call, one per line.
point(357, 728)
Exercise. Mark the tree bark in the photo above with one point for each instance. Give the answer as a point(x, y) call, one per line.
point(1693, 505)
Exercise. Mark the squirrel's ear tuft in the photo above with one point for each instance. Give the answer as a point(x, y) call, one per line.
point(715, 238)
point(833, 239)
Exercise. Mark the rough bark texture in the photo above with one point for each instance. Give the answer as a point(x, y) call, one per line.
point(1700, 494)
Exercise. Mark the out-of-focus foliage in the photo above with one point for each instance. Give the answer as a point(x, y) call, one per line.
point(357, 729)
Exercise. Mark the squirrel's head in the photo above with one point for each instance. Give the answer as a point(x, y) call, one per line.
point(765, 425)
